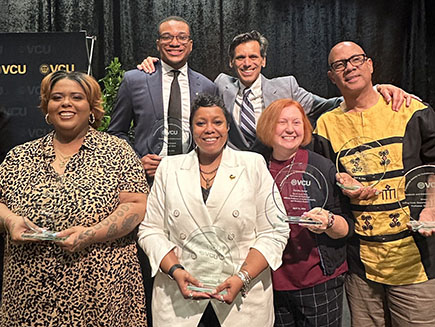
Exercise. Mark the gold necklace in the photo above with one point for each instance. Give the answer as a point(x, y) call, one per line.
point(208, 181)
point(63, 159)
point(208, 172)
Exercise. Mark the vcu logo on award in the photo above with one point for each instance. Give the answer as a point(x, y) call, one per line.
point(13, 69)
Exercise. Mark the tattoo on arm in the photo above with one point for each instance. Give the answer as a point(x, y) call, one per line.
point(129, 223)
point(113, 230)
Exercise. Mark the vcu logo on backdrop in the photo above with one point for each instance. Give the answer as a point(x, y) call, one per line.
point(45, 69)
point(13, 69)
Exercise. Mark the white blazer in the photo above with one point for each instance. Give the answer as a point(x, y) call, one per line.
point(237, 203)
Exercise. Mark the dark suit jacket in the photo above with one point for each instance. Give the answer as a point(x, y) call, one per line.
point(140, 100)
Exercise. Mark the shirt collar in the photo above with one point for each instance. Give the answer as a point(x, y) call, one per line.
point(90, 142)
point(255, 87)
point(167, 69)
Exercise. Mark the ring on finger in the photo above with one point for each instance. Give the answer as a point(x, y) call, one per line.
point(222, 298)
point(191, 295)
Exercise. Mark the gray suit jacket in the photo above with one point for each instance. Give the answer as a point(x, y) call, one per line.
point(140, 100)
point(273, 89)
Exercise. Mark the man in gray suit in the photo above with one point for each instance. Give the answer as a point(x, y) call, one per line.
point(145, 99)
point(250, 93)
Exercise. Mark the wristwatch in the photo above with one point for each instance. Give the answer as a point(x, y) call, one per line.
point(172, 270)
point(331, 219)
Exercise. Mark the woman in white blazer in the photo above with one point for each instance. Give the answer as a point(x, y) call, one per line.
point(211, 220)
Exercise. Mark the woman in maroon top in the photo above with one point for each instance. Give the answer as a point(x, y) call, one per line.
point(308, 287)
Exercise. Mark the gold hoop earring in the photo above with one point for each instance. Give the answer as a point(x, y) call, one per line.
point(47, 120)
point(91, 118)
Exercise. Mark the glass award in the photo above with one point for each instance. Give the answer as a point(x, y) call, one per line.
point(364, 159)
point(42, 211)
point(302, 187)
point(208, 256)
point(173, 134)
point(416, 191)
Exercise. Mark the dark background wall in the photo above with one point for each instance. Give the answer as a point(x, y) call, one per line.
point(399, 35)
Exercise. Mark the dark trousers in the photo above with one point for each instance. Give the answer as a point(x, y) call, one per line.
point(318, 306)
point(209, 318)
point(147, 282)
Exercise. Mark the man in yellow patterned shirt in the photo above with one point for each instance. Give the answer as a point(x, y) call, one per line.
point(391, 269)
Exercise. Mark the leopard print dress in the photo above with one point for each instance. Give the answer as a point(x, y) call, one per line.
point(46, 286)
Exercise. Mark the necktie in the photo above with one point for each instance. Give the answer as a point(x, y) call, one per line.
point(175, 145)
point(247, 118)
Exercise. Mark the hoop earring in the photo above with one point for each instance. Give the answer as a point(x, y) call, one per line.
point(91, 118)
point(47, 120)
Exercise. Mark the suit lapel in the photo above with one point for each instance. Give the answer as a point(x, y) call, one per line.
point(194, 84)
point(227, 177)
point(188, 183)
point(155, 88)
point(236, 137)
point(268, 90)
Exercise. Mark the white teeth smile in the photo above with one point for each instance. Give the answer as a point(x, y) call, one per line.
point(66, 114)
point(210, 139)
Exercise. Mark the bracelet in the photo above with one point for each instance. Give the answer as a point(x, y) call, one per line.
point(331, 219)
point(172, 270)
point(246, 280)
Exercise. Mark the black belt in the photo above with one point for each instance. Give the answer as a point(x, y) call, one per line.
point(385, 238)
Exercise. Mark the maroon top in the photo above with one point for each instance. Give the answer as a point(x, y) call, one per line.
point(301, 262)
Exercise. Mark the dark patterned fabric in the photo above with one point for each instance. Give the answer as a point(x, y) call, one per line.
point(46, 286)
point(318, 306)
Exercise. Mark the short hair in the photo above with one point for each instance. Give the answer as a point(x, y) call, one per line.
point(89, 85)
point(207, 100)
point(246, 37)
point(176, 18)
point(269, 118)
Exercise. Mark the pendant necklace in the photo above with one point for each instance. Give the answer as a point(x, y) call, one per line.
point(209, 180)
point(63, 159)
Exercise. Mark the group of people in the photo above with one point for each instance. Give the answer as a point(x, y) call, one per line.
point(197, 190)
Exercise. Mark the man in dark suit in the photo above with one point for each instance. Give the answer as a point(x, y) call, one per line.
point(146, 100)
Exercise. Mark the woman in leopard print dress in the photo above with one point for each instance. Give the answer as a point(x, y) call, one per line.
point(88, 187)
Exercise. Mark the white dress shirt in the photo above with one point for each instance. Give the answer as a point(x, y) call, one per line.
point(183, 81)
point(255, 97)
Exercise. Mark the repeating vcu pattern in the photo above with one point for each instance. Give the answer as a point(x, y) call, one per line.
point(389, 253)
point(46, 286)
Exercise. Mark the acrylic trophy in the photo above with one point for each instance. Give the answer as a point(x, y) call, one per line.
point(208, 256)
point(364, 159)
point(416, 192)
point(174, 134)
point(42, 211)
point(302, 187)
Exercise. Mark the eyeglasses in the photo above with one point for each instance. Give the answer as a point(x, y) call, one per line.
point(356, 61)
point(167, 38)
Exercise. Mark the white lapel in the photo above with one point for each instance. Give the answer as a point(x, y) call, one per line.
point(189, 186)
point(188, 183)
point(227, 177)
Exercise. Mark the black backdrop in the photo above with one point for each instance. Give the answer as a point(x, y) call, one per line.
point(399, 35)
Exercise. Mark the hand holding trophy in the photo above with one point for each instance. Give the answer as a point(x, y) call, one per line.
point(208, 256)
point(361, 164)
point(416, 197)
